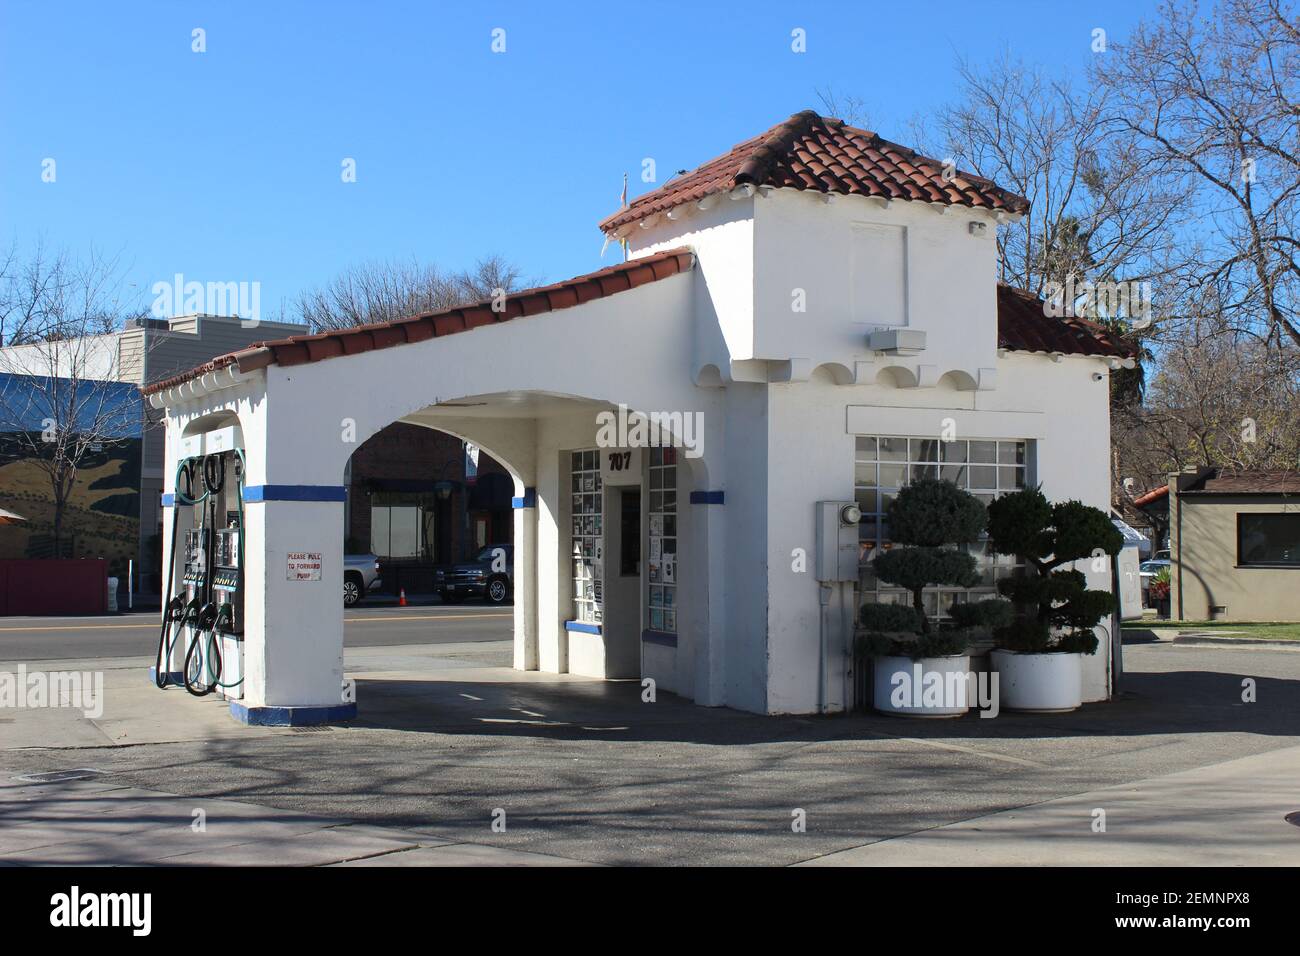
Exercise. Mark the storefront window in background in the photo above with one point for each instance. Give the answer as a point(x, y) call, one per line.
point(401, 525)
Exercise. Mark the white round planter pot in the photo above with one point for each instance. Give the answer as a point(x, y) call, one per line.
point(1046, 683)
point(899, 686)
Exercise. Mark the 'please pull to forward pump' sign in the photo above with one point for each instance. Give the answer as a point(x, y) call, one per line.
point(304, 565)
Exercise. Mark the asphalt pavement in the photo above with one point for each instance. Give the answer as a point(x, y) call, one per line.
point(1189, 767)
point(136, 634)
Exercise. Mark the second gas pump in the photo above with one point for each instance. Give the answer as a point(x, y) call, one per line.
point(204, 610)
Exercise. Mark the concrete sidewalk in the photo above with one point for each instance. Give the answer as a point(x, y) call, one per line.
point(93, 822)
point(1225, 815)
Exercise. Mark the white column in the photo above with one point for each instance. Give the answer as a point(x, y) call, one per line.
point(710, 654)
point(554, 565)
point(525, 581)
point(293, 627)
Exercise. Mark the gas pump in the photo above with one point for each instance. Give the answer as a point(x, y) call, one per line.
point(207, 612)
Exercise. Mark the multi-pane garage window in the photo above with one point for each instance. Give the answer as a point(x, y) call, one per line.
point(662, 564)
point(884, 464)
point(585, 510)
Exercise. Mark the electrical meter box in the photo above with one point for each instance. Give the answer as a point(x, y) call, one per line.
point(837, 541)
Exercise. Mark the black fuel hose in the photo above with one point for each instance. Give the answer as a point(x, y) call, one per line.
point(214, 472)
point(204, 622)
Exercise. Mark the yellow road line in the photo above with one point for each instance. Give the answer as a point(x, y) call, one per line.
point(350, 620)
point(84, 627)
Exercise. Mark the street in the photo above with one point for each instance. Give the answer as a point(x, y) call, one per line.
point(136, 634)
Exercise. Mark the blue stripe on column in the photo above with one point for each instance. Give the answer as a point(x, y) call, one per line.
point(582, 628)
point(706, 497)
point(255, 493)
point(529, 500)
point(168, 501)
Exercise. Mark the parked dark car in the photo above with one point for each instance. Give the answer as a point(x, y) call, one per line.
point(489, 576)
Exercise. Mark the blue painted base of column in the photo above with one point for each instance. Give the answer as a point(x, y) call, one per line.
point(291, 716)
point(173, 677)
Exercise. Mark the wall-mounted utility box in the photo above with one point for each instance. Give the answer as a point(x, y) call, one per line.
point(837, 540)
point(897, 341)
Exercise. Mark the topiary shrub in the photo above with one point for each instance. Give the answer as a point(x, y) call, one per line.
point(915, 646)
point(987, 615)
point(925, 518)
point(1053, 610)
point(890, 617)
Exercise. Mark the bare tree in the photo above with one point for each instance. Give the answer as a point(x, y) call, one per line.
point(1090, 218)
point(1210, 105)
point(386, 291)
point(61, 400)
point(1219, 398)
point(852, 109)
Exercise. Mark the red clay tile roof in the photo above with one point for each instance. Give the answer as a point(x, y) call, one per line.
point(1023, 326)
point(820, 153)
point(1155, 494)
point(300, 349)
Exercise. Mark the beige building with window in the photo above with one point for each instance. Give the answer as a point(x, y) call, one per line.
point(1234, 540)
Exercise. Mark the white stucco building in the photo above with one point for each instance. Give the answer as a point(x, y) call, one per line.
point(817, 315)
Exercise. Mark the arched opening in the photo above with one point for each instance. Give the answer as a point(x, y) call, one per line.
point(420, 499)
point(608, 574)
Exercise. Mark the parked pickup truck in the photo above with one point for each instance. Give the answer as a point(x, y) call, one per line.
point(490, 575)
point(360, 577)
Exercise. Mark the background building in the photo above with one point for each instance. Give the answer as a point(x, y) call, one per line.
point(1234, 545)
point(114, 511)
point(417, 498)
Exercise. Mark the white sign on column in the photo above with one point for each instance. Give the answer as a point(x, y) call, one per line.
point(304, 565)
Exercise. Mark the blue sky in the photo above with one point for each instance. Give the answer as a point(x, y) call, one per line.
point(225, 165)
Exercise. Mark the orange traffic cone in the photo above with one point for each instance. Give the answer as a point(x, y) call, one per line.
point(401, 597)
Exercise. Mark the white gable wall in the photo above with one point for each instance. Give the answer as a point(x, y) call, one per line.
point(723, 239)
point(862, 266)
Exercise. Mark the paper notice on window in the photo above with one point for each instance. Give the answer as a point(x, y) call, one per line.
point(305, 565)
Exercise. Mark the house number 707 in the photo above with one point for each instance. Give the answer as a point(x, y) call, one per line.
point(619, 460)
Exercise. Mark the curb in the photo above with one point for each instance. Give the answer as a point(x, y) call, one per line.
point(1198, 640)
